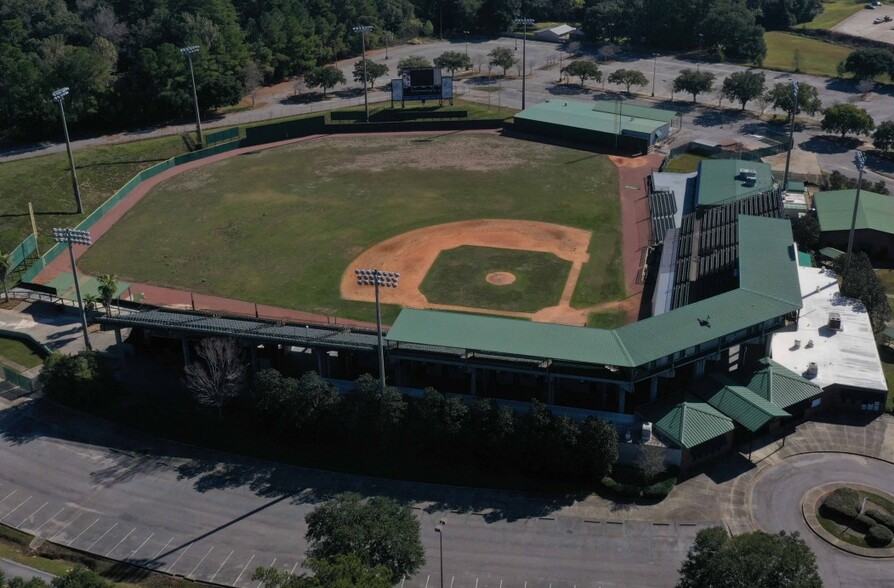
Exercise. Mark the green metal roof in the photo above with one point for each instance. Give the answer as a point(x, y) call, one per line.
point(888, 332)
point(835, 209)
point(688, 423)
point(768, 288)
point(795, 187)
point(738, 402)
point(508, 336)
point(581, 115)
point(804, 259)
point(719, 181)
point(831, 252)
point(664, 116)
point(779, 385)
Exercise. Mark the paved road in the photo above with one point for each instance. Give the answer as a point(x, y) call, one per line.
point(541, 85)
point(17, 570)
point(776, 505)
point(215, 517)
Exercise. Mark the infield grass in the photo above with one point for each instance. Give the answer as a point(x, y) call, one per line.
point(280, 226)
point(818, 58)
point(458, 276)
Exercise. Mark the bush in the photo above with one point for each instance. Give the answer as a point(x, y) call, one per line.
point(78, 380)
point(661, 489)
point(862, 523)
point(879, 536)
point(881, 518)
point(844, 500)
point(625, 490)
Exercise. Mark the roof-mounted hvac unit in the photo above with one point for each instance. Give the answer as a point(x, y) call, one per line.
point(812, 369)
point(834, 321)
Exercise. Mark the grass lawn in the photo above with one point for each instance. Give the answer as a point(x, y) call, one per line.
point(817, 57)
point(458, 277)
point(45, 181)
point(15, 350)
point(688, 162)
point(834, 11)
point(607, 319)
point(280, 226)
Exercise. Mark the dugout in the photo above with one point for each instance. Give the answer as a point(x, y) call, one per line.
point(608, 125)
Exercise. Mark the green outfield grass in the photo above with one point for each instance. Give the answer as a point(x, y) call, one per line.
point(458, 276)
point(17, 351)
point(280, 226)
point(607, 319)
point(817, 57)
point(834, 11)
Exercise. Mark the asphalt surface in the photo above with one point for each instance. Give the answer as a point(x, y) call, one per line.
point(17, 570)
point(544, 60)
point(216, 517)
point(776, 506)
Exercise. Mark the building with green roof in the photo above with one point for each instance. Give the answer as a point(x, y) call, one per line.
point(722, 181)
point(612, 125)
point(874, 226)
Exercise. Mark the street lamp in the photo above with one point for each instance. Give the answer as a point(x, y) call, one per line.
point(440, 531)
point(654, 67)
point(377, 278)
point(72, 236)
point(791, 134)
point(59, 97)
point(698, 66)
point(466, 33)
point(363, 29)
point(860, 162)
point(525, 22)
point(189, 52)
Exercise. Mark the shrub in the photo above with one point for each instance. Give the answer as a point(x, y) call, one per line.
point(881, 518)
point(843, 499)
point(661, 489)
point(862, 523)
point(78, 380)
point(625, 490)
point(879, 536)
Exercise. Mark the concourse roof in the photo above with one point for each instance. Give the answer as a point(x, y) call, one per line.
point(835, 210)
point(720, 181)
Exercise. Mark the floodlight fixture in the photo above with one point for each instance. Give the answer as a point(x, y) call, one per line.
point(73, 237)
point(191, 50)
point(60, 94)
point(378, 279)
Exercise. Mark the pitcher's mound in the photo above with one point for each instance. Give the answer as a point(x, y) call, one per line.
point(500, 278)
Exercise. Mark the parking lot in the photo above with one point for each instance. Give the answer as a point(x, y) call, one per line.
point(862, 24)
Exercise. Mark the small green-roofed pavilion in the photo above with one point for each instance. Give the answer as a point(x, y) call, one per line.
point(795, 187)
point(804, 259)
point(738, 402)
point(835, 210)
point(779, 385)
point(687, 421)
point(581, 115)
point(831, 252)
point(721, 181)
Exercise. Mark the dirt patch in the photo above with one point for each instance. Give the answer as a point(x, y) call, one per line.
point(500, 278)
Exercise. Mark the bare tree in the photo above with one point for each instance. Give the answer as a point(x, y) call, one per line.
point(763, 101)
point(650, 463)
point(865, 87)
point(480, 58)
point(253, 77)
point(218, 376)
point(297, 86)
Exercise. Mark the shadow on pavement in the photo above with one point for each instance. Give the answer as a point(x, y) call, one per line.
point(732, 466)
point(826, 144)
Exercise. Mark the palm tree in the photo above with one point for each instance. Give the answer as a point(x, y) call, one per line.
point(5, 266)
point(108, 284)
point(90, 302)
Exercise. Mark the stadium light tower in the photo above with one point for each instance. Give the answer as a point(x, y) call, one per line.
point(439, 529)
point(701, 37)
point(860, 162)
point(466, 33)
point(791, 134)
point(363, 29)
point(525, 23)
point(189, 52)
point(59, 97)
point(72, 236)
point(378, 278)
point(654, 67)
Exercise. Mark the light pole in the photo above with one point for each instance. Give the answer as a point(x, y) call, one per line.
point(698, 66)
point(377, 278)
point(524, 22)
point(363, 29)
point(791, 135)
point(654, 67)
point(189, 52)
point(860, 162)
point(440, 531)
point(72, 236)
point(387, 43)
point(59, 97)
point(466, 33)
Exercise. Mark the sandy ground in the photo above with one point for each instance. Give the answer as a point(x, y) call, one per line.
point(861, 25)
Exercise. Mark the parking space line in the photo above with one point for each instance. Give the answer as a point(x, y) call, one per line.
point(49, 519)
point(120, 542)
point(211, 579)
point(452, 578)
point(243, 569)
point(141, 545)
point(192, 573)
point(8, 495)
point(15, 509)
point(293, 567)
point(82, 532)
point(32, 514)
point(171, 567)
point(271, 565)
point(162, 549)
point(101, 537)
point(427, 578)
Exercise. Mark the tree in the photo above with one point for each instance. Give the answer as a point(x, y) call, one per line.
point(627, 78)
point(502, 57)
point(650, 463)
point(861, 282)
point(597, 448)
point(81, 577)
point(413, 62)
point(694, 82)
point(324, 77)
point(730, 30)
point(584, 69)
point(781, 98)
point(219, 374)
point(453, 60)
point(377, 530)
point(374, 71)
point(756, 560)
point(78, 380)
point(381, 412)
point(108, 285)
point(743, 86)
point(882, 138)
point(869, 62)
point(340, 571)
point(806, 231)
point(252, 78)
point(845, 119)
point(5, 266)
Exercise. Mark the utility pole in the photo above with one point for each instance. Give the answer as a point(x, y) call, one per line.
point(59, 97)
point(363, 29)
point(791, 135)
point(524, 22)
point(860, 162)
point(189, 52)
